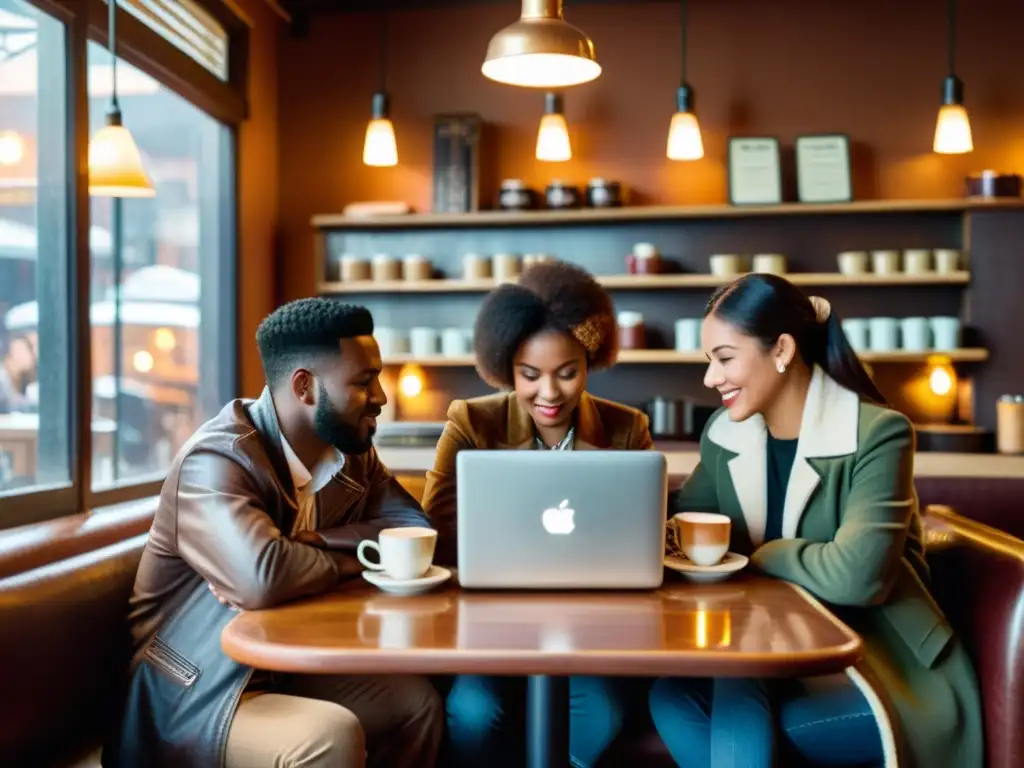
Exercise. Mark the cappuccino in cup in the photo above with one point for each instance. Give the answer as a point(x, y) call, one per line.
point(404, 553)
point(703, 536)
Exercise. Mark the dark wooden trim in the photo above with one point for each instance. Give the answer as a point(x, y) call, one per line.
point(81, 267)
point(143, 487)
point(143, 48)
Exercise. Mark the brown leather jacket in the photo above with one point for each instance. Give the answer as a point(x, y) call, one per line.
point(496, 422)
point(227, 498)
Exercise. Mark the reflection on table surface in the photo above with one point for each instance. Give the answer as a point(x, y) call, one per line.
point(749, 625)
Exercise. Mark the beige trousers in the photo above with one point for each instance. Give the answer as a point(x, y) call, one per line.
point(338, 721)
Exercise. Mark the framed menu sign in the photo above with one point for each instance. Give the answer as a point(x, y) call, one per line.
point(823, 169)
point(755, 172)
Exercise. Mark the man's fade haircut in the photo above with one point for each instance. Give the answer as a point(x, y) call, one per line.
point(297, 333)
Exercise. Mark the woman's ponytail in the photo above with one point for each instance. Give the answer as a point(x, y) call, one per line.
point(840, 361)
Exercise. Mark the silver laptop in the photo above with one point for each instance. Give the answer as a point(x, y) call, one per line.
point(561, 519)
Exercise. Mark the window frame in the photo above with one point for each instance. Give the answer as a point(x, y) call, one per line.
point(226, 102)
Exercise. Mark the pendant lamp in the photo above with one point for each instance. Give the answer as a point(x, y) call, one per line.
point(684, 140)
point(115, 165)
point(553, 144)
point(380, 148)
point(541, 50)
point(953, 127)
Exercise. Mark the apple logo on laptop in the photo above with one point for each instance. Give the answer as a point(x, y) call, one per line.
point(558, 520)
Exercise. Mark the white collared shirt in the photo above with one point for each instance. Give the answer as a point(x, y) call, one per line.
point(565, 444)
point(308, 484)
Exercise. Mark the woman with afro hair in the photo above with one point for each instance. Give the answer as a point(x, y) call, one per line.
point(538, 340)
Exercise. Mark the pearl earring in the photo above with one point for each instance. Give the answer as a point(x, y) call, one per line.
point(780, 366)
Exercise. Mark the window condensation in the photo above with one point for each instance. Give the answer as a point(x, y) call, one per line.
point(187, 26)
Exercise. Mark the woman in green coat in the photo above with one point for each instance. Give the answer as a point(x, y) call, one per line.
point(816, 474)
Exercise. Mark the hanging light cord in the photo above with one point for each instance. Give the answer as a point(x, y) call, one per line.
point(682, 13)
point(951, 35)
point(112, 33)
point(383, 51)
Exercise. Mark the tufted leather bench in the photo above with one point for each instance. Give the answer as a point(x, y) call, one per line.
point(64, 653)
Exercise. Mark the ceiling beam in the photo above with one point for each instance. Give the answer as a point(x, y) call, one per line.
point(317, 7)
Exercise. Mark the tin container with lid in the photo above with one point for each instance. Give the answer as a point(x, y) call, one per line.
point(1010, 424)
point(514, 195)
point(602, 193)
point(644, 260)
point(560, 195)
point(632, 332)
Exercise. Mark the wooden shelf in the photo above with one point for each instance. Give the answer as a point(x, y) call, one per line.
point(671, 357)
point(650, 213)
point(649, 282)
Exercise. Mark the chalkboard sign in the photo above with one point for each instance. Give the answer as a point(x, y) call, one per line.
point(457, 163)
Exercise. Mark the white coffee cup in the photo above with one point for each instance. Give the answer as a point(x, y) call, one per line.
point(769, 263)
point(917, 261)
point(946, 332)
point(688, 334)
point(405, 553)
point(725, 264)
point(423, 342)
point(884, 333)
point(947, 260)
point(885, 262)
point(454, 342)
point(853, 262)
point(856, 330)
point(391, 341)
point(916, 333)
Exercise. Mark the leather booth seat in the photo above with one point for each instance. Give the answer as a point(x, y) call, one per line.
point(64, 652)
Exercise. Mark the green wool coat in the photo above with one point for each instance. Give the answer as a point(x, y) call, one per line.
point(851, 536)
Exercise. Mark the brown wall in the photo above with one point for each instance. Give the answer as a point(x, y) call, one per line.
point(258, 193)
point(871, 69)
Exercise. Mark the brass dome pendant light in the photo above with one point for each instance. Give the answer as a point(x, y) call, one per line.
point(541, 50)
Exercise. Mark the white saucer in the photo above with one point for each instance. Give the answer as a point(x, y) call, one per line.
point(435, 575)
point(730, 564)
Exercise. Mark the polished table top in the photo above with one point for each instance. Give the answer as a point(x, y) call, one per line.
point(747, 626)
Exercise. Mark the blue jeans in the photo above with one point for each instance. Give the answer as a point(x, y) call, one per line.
point(729, 722)
point(486, 719)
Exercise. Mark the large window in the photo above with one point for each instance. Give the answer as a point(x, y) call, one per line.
point(35, 193)
point(117, 326)
point(172, 252)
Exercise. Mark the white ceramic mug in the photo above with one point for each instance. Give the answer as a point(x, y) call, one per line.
point(916, 333)
point(883, 334)
point(454, 342)
point(688, 334)
point(917, 261)
point(947, 260)
point(725, 264)
point(885, 262)
point(506, 267)
point(856, 330)
point(946, 332)
point(853, 262)
point(423, 342)
point(405, 553)
point(769, 263)
point(391, 341)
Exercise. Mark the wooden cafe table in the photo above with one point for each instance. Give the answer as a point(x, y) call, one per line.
point(748, 626)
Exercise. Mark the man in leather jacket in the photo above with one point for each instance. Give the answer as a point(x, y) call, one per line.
point(264, 504)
